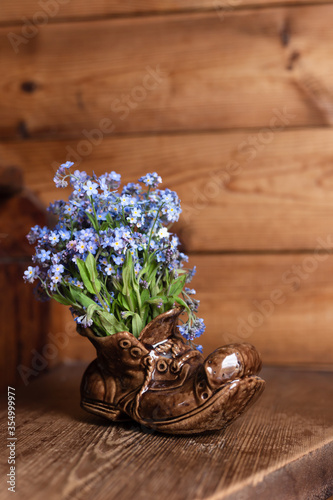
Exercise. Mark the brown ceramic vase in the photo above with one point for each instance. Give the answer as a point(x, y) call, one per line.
point(164, 384)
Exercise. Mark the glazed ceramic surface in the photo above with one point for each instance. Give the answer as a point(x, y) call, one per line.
point(164, 384)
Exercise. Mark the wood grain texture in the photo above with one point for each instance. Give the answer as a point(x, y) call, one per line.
point(211, 74)
point(279, 197)
point(280, 303)
point(78, 9)
point(283, 444)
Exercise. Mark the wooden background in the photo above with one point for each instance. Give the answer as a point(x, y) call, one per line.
point(231, 102)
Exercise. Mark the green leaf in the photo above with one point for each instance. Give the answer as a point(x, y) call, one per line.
point(85, 276)
point(145, 315)
point(124, 302)
point(92, 271)
point(81, 298)
point(135, 285)
point(169, 304)
point(104, 226)
point(136, 325)
point(134, 301)
point(109, 220)
point(157, 300)
point(127, 273)
point(93, 221)
point(110, 322)
point(92, 308)
point(181, 271)
point(91, 266)
point(128, 314)
point(151, 271)
point(181, 303)
point(145, 295)
point(117, 285)
point(177, 286)
point(62, 300)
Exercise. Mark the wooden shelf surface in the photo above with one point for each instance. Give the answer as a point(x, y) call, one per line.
point(282, 448)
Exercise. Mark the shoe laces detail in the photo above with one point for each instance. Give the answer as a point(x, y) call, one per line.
point(149, 368)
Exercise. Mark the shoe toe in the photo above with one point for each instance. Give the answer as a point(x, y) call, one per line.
point(231, 362)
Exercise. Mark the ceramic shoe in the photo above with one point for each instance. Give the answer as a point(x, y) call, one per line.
point(161, 382)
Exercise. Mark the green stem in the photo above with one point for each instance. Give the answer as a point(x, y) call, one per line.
point(101, 299)
point(95, 215)
point(153, 226)
point(98, 253)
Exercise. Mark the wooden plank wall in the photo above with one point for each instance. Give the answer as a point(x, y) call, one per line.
point(25, 321)
point(232, 103)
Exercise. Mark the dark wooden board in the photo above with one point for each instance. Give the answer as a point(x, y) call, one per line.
point(24, 327)
point(212, 74)
point(280, 303)
point(284, 444)
point(279, 197)
point(17, 215)
point(25, 321)
point(77, 9)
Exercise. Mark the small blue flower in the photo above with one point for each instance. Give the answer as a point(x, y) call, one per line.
point(125, 200)
point(69, 210)
point(60, 182)
point(152, 180)
point(174, 242)
point(91, 188)
point(64, 234)
point(119, 260)
point(71, 245)
point(109, 269)
point(53, 238)
point(137, 268)
point(118, 244)
point(92, 247)
point(84, 321)
point(131, 219)
point(68, 164)
point(43, 255)
point(81, 246)
point(183, 330)
point(136, 212)
point(76, 282)
point(184, 258)
point(190, 275)
point(56, 279)
point(163, 233)
point(56, 258)
point(31, 274)
point(101, 216)
point(57, 269)
point(160, 257)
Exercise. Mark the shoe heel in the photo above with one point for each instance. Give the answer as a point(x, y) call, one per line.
point(103, 410)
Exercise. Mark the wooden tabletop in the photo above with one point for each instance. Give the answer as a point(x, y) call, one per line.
point(282, 448)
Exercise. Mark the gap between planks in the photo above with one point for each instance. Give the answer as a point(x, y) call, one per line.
point(214, 7)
